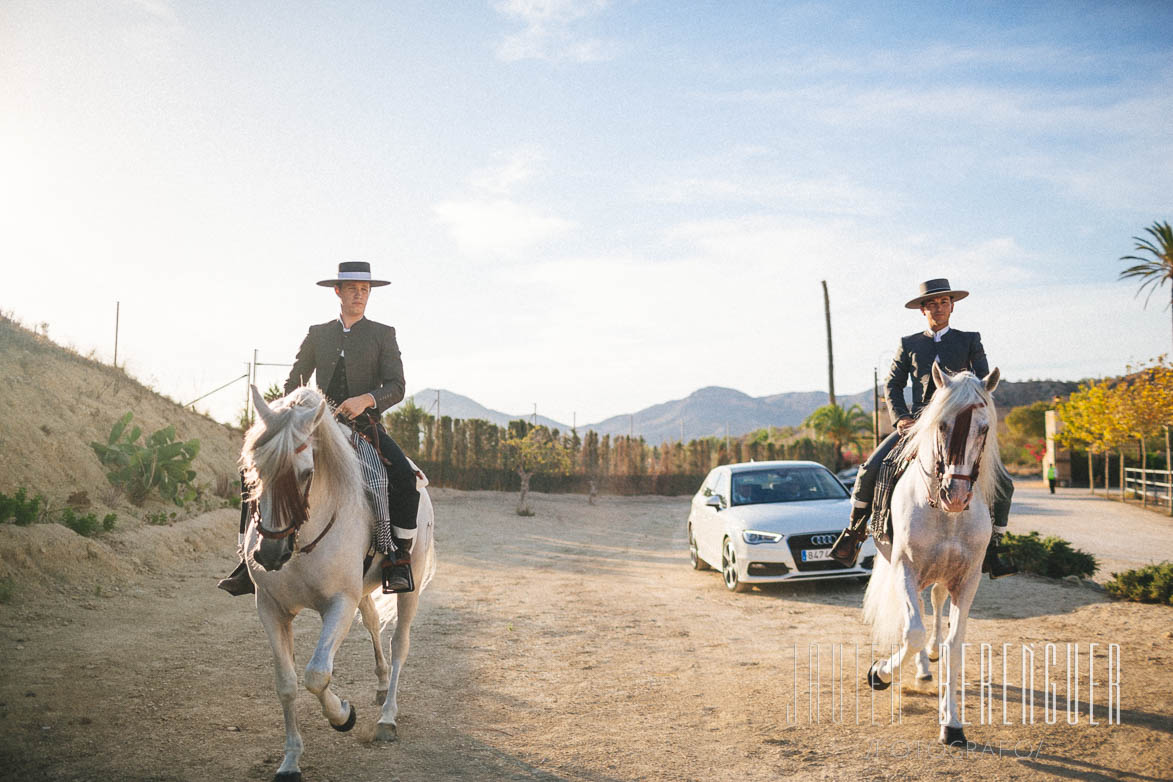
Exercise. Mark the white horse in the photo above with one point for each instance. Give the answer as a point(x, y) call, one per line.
point(306, 551)
point(940, 529)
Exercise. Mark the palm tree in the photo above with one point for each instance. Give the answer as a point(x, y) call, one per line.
point(841, 427)
point(1157, 269)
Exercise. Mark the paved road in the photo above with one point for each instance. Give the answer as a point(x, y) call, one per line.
point(1120, 536)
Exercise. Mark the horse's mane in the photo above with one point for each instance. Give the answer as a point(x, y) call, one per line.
point(269, 447)
point(964, 389)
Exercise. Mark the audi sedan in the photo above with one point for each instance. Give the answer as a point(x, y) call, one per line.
point(763, 522)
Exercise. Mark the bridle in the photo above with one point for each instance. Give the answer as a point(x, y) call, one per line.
point(300, 518)
point(955, 452)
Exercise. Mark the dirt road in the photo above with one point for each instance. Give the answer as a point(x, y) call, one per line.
point(574, 645)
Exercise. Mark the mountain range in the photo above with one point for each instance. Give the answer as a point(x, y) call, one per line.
point(713, 410)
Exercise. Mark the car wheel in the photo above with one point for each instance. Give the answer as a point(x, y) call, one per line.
point(693, 555)
point(729, 569)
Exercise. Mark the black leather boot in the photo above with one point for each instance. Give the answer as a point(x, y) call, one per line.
point(238, 583)
point(994, 564)
point(847, 546)
point(396, 569)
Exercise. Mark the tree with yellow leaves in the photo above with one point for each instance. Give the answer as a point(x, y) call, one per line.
point(1143, 406)
point(1088, 421)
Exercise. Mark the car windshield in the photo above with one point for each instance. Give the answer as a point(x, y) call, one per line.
point(785, 484)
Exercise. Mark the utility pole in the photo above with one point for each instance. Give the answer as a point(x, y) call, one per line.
point(117, 317)
point(247, 395)
point(631, 429)
point(252, 381)
point(830, 351)
point(534, 420)
point(875, 407)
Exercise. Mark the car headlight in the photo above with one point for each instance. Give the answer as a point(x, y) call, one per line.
point(754, 537)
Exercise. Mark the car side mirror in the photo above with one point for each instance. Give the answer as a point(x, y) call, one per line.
point(715, 502)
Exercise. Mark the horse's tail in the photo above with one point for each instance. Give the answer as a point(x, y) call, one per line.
point(883, 604)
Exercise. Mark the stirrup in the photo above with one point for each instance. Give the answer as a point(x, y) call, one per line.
point(395, 572)
point(845, 550)
point(994, 563)
point(238, 583)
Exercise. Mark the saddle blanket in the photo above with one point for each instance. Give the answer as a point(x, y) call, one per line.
point(893, 466)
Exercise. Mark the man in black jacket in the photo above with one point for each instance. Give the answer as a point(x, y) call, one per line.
point(956, 351)
point(357, 364)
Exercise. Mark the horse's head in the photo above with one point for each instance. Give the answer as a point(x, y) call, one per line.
point(961, 417)
point(279, 455)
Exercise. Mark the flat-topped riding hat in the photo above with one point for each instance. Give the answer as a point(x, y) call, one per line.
point(353, 271)
point(931, 289)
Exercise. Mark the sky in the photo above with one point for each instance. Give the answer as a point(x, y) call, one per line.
point(587, 205)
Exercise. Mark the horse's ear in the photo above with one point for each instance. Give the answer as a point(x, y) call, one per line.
point(991, 380)
point(321, 411)
point(263, 409)
point(938, 376)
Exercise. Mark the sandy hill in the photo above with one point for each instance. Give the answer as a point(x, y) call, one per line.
point(53, 403)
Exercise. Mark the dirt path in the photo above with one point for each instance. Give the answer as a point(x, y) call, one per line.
point(574, 645)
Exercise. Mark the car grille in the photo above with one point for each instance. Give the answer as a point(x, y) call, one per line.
point(799, 542)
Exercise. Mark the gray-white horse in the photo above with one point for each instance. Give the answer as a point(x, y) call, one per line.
point(940, 528)
point(307, 551)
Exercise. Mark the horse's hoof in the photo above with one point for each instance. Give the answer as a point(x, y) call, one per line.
point(954, 737)
point(934, 655)
point(386, 731)
point(874, 680)
point(928, 677)
point(288, 776)
point(349, 721)
point(380, 697)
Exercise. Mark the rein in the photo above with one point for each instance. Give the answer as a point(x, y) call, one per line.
point(295, 526)
point(955, 452)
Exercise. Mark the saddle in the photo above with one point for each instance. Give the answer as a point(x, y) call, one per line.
point(891, 469)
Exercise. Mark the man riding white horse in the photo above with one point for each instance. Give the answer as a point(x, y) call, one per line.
point(357, 362)
point(954, 350)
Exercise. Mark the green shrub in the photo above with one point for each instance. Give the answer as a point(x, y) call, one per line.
point(1050, 556)
point(20, 508)
point(7, 587)
point(87, 525)
point(160, 518)
point(1148, 584)
point(162, 464)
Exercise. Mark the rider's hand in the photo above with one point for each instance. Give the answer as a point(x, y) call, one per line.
point(904, 424)
point(354, 406)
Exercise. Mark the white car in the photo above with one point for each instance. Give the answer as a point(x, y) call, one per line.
point(762, 522)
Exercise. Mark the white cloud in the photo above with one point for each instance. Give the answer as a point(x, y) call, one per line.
point(490, 219)
point(498, 226)
point(549, 31)
point(512, 170)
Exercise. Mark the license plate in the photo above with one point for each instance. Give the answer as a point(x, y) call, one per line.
point(815, 554)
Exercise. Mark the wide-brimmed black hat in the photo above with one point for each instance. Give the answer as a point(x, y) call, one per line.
point(931, 289)
point(353, 271)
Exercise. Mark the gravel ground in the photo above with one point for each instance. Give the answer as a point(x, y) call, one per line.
point(574, 645)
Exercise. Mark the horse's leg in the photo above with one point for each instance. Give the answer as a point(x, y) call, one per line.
point(914, 630)
point(370, 620)
point(929, 654)
point(950, 717)
point(385, 728)
point(279, 628)
point(336, 620)
point(939, 595)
